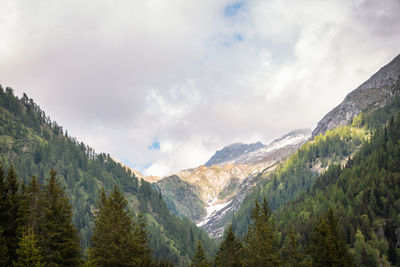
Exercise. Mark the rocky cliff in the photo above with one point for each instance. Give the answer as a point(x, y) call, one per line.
point(376, 92)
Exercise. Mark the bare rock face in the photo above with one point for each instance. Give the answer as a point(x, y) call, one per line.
point(376, 92)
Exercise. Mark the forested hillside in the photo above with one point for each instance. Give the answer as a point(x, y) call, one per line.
point(366, 196)
point(34, 144)
point(298, 173)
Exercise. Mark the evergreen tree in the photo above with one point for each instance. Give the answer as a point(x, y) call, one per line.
point(4, 259)
point(117, 240)
point(291, 251)
point(261, 248)
point(28, 251)
point(58, 238)
point(11, 212)
point(199, 259)
point(31, 205)
point(229, 252)
point(143, 255)
point(328, 247)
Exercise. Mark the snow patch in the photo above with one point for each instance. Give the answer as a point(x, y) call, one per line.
point(212, 208)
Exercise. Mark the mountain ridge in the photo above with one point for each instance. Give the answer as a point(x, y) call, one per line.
point(376, 92)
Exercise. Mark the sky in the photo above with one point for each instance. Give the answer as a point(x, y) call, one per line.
point(162, 84)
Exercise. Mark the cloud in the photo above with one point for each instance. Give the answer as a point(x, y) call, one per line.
point(192, 76)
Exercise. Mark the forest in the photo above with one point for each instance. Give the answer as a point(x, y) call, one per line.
point(335, 202)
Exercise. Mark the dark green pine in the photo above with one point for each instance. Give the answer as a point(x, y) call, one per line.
point(117, 240)
point(58, 238)
point(229, 252)
point(199, 258)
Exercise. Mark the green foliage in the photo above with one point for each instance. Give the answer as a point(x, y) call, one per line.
point(261, 246)
point(328, 247)
point(364, 254)
point(11, 214)
point(34, 144)
point(230, 249)
point(117, 239)
point(298, 173)
point(28, 251)
point(291, 251)
point(365, 195)
point(199, 259)
point(58, 238)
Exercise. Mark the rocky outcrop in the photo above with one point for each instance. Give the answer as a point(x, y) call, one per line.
point(376, 92)
point(239, 153)
point(231, 152)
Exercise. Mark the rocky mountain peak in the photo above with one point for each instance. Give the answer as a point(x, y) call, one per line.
point(376, 92)
point(231, 152)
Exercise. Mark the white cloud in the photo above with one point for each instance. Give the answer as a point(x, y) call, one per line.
point(121, 74)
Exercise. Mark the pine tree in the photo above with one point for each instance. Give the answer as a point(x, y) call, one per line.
point(143, 255)
point(328, 247)
point(199, 259)
point(11, 212)
point(31, 205)
point(291, 251)
point(4, 258)
point(28, 251)
point(261, 248)
point(229, 252)
point(58, 238)
point(117, 240)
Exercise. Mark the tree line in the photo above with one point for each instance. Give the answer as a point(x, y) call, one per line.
point(260, 246)
point(36, 227)
point(34, 144)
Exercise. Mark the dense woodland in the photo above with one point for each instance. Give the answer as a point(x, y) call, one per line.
point(335, 202)
point(34, 144)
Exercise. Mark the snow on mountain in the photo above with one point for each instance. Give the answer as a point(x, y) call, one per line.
point(253, 153)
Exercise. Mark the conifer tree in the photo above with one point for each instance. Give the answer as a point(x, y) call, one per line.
point(117, 240)
point(261, 248)
point(58, 238)
point(229, 252)
point(143, 255)
point(28, 251)
point(199, 259)
point(31, 205)
point(11, 212)
point(291, 251)
point(4, 259)
point(328, 247)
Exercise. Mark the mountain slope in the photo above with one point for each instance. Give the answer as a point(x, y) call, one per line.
point(34, 144)
point(335, 146)
point(366, 196)
point(222, 187)
point(376, 92)
point(181, 198)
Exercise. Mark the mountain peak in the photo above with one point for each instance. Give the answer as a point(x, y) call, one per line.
point(231, 152)
point(376, 92)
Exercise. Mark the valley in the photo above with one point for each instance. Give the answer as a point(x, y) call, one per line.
point(348, 165)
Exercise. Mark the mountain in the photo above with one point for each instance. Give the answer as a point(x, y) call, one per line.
point(222, 186)
point(189, 205)
point(376, 92)
point(365, 196)
point(345, 167)
point(34, 144)
point(231, 152)
point(239, 153)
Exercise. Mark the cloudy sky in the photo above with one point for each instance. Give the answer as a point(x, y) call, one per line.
point(162, 84)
